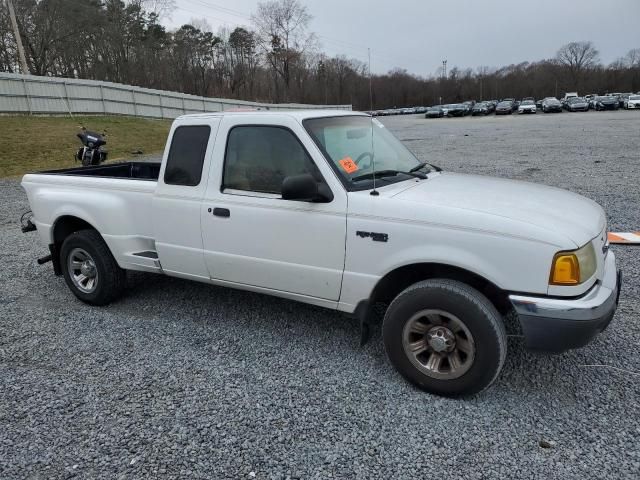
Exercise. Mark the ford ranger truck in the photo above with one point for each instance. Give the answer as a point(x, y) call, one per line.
point(330, 209)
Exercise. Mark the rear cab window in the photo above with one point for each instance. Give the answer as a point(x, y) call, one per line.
point(186, 155)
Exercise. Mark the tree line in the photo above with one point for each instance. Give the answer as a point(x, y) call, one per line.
point(276, 60)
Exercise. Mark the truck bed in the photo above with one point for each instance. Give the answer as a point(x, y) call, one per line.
point(123, 170)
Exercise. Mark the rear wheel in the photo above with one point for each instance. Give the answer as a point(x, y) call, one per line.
point(89, 269)
point(445, 337)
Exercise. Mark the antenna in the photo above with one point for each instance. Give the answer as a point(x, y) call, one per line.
point(373, 192)
point(370, 86)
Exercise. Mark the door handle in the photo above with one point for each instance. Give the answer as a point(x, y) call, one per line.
point(222, 212)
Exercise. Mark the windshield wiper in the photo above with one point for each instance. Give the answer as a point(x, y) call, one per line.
point(386, 173)
point(376, 174)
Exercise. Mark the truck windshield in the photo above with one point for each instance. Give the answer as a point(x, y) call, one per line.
point(352, 144)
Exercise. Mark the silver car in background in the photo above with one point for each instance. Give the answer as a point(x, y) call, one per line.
point(577, 104)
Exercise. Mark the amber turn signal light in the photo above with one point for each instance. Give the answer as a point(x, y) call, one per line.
point(565, 270)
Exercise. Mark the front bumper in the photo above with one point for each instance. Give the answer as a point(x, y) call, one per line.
point(556, 325)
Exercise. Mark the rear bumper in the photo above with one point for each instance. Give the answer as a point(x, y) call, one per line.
point(556, 325)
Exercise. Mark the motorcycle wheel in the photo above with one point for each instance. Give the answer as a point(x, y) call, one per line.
point(87, 158)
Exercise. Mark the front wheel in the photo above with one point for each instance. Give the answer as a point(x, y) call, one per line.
point(89, 269)
point(445, 337)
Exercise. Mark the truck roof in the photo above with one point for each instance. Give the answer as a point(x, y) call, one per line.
point(297, 114)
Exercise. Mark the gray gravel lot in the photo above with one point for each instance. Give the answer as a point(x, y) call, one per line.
point(181, 379)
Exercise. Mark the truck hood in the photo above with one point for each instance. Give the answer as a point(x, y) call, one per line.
point(553, 209)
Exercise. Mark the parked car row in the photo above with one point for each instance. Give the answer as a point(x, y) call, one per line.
point(611, 101)
point(397, 111)
point(571, 102)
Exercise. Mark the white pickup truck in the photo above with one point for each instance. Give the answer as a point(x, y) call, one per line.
point(329, 208)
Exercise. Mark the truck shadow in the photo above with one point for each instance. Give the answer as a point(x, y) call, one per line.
point(276, 324)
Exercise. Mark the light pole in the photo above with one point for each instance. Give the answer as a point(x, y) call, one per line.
point(14, 24)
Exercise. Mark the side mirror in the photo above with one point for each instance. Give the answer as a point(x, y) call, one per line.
point(305, 188)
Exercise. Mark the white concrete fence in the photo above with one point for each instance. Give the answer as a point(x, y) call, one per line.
point(30, 94)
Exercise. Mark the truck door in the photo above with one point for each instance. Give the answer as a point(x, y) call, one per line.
point(178, 198)
point(254, 238)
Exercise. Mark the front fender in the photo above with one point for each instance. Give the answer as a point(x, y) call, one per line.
point(512, 264)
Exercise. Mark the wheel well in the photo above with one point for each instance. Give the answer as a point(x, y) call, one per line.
point(63, 227)
point(399, 279)
point(67, 225)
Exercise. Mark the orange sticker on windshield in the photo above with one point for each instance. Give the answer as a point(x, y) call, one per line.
point(348, 165)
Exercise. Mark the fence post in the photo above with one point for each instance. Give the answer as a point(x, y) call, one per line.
point(161, 109)
point(135, 103)
point(184, 109)
point(26, 94)
point(66, 97)
point(104, 106)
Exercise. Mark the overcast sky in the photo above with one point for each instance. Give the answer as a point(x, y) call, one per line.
point(419, 34)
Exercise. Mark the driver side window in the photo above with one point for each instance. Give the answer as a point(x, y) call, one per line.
point(259, 158)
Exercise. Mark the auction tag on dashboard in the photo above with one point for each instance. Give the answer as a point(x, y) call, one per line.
point(348, 165)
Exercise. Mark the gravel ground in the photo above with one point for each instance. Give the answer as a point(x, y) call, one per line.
point(181, 379)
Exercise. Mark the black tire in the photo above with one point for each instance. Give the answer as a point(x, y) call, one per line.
point(110, 279)
point(471, 308)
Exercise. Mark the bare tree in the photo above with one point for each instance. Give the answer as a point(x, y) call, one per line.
point(161, 8)
point(201, 24)
point(577, 57)
point(282, 29)
point(632, 58)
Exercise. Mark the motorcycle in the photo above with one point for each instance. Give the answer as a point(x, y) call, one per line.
point(91, 153)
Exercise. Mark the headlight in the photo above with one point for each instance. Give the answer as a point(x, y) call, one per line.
point(573, 268)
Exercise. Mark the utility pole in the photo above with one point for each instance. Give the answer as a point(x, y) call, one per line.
point(14, 24)
point(370, 84)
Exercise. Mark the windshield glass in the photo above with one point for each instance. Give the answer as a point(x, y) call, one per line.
point(634, 97)
point(347, 144)
point(527, 102)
